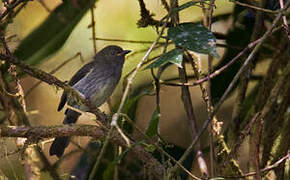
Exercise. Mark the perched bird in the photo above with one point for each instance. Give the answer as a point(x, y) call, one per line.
point(95, 81)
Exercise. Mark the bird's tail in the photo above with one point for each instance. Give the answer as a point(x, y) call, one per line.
point(60, 143)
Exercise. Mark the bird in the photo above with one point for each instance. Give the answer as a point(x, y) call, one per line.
point(95, 82)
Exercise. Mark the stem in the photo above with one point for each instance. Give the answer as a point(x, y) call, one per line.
point(220, 102)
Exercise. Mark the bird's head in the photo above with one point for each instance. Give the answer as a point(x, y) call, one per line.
point(113, 53)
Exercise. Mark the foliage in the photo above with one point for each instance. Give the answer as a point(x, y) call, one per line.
point(260, 105)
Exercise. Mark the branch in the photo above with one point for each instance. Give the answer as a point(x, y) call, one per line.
point(45, 77)
point(276, 164)
point(30, 161)
point(255, 7)
point(146, 16)
point(53, 72)
point(188, 106)
point(285, 20)
point(6, 9)
point(40, 132)
point(237, 76)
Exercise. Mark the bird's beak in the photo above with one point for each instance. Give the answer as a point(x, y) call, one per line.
point(125, 52)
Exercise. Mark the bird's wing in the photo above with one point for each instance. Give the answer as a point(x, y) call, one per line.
point(81, 73)
point(76, 77)
point(98, 84)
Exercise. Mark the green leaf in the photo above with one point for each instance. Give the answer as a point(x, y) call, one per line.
point(152, 129)
point(194, 37)
point(149, 147)
point(50, 36)
point(108, 173)
point(174, 56)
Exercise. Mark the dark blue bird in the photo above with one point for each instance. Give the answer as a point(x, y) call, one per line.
point(96, 82)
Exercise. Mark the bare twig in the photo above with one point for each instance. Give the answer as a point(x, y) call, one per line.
point(209, 100)
point(52, 72)
point(45, 77)
point(93, 26)
point(31, 160)
point(247, 61)
point(284, 19)
point(160, 149)
point(29, 156)
point(126, 40)
point(255, 138)
point(165, 4)
point(188, 106)
point(132, 76)
point(219, 71)
point(145, 42)
point(266, 169)
point(99, 158)
point(255, 7)
point(130, 81)
point(10, 8)
point(227, 151)
point(126, 92)
point(243, 135)
point(146, 16)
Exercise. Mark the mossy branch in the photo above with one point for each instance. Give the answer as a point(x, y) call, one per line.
point(41, 132)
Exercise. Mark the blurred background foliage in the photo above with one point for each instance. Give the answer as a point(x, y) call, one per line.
point(46, 33)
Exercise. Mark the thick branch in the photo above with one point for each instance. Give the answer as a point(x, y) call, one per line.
point(83, 130)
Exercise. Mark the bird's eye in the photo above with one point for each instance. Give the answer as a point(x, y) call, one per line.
point(113, 53)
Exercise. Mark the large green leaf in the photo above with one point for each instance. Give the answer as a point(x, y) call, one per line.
point(53, 32)
point(152, 129)
point(194, 37)
point(174, 56)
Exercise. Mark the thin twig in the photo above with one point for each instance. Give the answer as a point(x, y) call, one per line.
point(284, 19)
point(165, 5)
point(266, 169)
point(99, 158)
point(209, 100)
point(220, 70)
point(242, 136)
point(126, 40)
point(29, 156)
point(160, 149)
point(220, 102)
point(11, 8)
point(255, 7)
point(130, 81)
point(216, 72)
point(188, 106)
point(93, 26)
point(45, 77)
point(52, 72)
point(132, 76)
point(22, 115)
